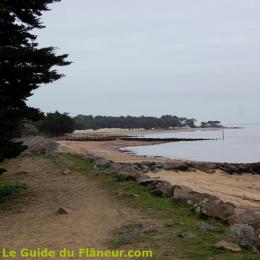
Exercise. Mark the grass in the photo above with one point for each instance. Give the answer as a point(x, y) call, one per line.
point(10, 190)
point(74, 163)
point(172, 219)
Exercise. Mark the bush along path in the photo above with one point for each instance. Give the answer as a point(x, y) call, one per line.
point(70, 197)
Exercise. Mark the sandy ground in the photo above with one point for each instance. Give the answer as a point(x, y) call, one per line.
point(107, 149)
point(34, 223)
point(244, 191)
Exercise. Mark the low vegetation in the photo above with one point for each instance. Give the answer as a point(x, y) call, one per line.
point(8, 190)
point(171, 225)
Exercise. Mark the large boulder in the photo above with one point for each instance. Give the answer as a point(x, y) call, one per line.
point(186, 196)
point(144, 167)
point(176, 166)
point(244, 216)
point(115, 169)
point(128, 176)
point(243, 235)
point(39, 145)
point(102, 163)
point(163, 189)
point(149, 182)
point(216, 209)
point(256, 225)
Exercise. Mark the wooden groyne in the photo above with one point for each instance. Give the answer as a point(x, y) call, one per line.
point(148, 139)
point(124, 138)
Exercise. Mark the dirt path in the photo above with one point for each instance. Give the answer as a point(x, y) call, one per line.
point(244, 190)
point(34, 223)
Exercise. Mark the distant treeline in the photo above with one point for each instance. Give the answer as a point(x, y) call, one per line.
point(58, 124)
point(166, 121)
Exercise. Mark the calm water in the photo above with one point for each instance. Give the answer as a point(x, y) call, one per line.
point(240, 145)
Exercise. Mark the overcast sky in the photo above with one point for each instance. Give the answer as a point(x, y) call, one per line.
point(190, 58)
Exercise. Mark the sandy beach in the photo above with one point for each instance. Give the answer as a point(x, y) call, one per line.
point(109, 150)
point(242, 190)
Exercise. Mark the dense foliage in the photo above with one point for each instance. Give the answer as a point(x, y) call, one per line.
point(211, 124)
point(56, 124)
point(165, 121)
point(23, 67)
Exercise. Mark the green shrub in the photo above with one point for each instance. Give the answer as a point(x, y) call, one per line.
point(10, 190)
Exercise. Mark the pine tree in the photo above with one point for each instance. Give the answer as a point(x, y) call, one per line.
point(24, 66)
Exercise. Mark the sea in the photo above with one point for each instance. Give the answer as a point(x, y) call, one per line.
point(231, 145)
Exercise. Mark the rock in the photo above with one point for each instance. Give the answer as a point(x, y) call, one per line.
point(89, 157)
point(217, 209)
point(66, 172)
point(63, 211)
point(210, 171)
point(132, 226)
point(229, 246)
point(128, 176)
point(103, 163)
point(186, 235)
point(155, 170)
point(39, 145)
point(256, 225)
point(180, 166)
point(231, 168)
point(181, 193)
point(144, 167)
point(206, 227)
point(243, 235)
point(159, 165)
point(116, 169)
point(149, 182)
point(186, 196)
point(244, 216)
point(136, 167)
point(143, 179)
point(138, 228)
point(255, 167)
point(163, 188)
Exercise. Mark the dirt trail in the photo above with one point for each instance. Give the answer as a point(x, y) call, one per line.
point(33, 224)
point(244, 190)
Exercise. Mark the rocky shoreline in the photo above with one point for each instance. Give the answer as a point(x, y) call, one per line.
point(208, 167)
point(244, 224)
